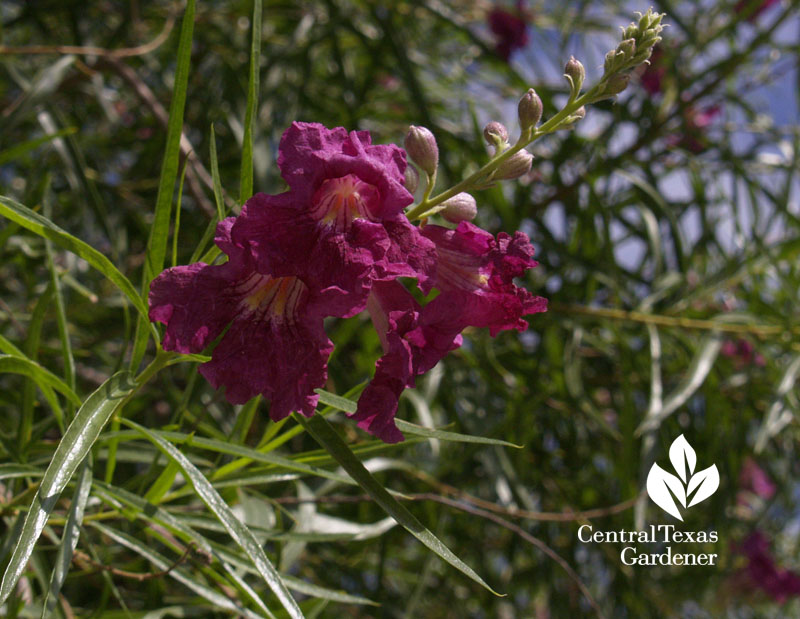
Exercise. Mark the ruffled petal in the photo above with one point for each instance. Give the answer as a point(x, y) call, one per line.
point(475, 273)
point(310, 153)
point(196, 302)
point(283, 362)
point(410, 254)
point(411, 348)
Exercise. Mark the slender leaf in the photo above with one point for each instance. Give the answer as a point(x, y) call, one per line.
point(161, 563)
point(326, 436)
point(41, 376)
point(30, 220)
point(246, 177)
point(72, 449)
point(15, 152)
point(348, 406)
point(69, 539)
point(236, 529)
point(159, 231)
point(218, 199)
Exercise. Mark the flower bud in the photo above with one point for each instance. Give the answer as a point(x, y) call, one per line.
point(529, 110)
point(461, 207)
point(495, 133)
point(421, 148)
point(616, 85)
point(575, 71)
point(412, 178)
point(628, 48)
point(515, 166)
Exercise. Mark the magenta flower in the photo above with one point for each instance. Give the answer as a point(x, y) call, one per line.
point(475, 275)
point(653, 75)
point(761, 572)
point(754, 480)
point(742, 352)
point(696, 122)
point(476, 272)
point(510, 30)
point(341, 225)
point(411, 345)
point(275, 346)
point(756, 6)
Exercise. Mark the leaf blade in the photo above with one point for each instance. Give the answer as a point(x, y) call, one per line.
point(32, 221)
point(319, 428)
point(72, 449)
point(238, 531)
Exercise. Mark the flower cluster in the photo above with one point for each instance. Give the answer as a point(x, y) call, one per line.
point(333, 245)
point(761, 571)
point(509, 28)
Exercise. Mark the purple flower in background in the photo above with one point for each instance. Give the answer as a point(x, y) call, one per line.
point(275, 346)
point(754, 480)
point(756, 6)
point(510, 29)
point(474, 273)
point(761, 571)
point(695, 123)
point(742, 352)
point(653, 75)
point(341, 225)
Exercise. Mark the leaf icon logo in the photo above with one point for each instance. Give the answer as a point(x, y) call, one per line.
point(665, 488)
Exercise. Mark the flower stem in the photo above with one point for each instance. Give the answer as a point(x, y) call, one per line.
point(421, 210)
point(161, 360)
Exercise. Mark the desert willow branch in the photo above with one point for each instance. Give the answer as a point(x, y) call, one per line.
point(674, 321)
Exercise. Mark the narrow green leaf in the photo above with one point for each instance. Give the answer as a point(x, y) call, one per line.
point(348, 406)
point(61, 314)
point(15, 152)
point(336, 401)
point(696, 374)
point(41, 376)
point(30, 220)
point(322, 431)
point(246, 177)
point(177, 227)
point(163, 483)
point(413, 429)
point(242, 452)
point(72, 449)
point(69, 539)
point(238, 531)
point(14, 471)
point(161, 563)
point(159, 231)
point(218, 200)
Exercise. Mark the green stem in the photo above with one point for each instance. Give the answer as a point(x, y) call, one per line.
point(161, 360)
point(421, 210)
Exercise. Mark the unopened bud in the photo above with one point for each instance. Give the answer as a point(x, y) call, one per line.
point(579, 114)
point(610, 64)
point(628, 48)
point(412, 178)
point(461, 207)
point(515, 166)
point(421, 148)
point(495, 133)
point(575, 71)
point(616, 85)
point(529, 110)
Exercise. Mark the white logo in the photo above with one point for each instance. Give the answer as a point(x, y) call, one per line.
point(662, 486)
